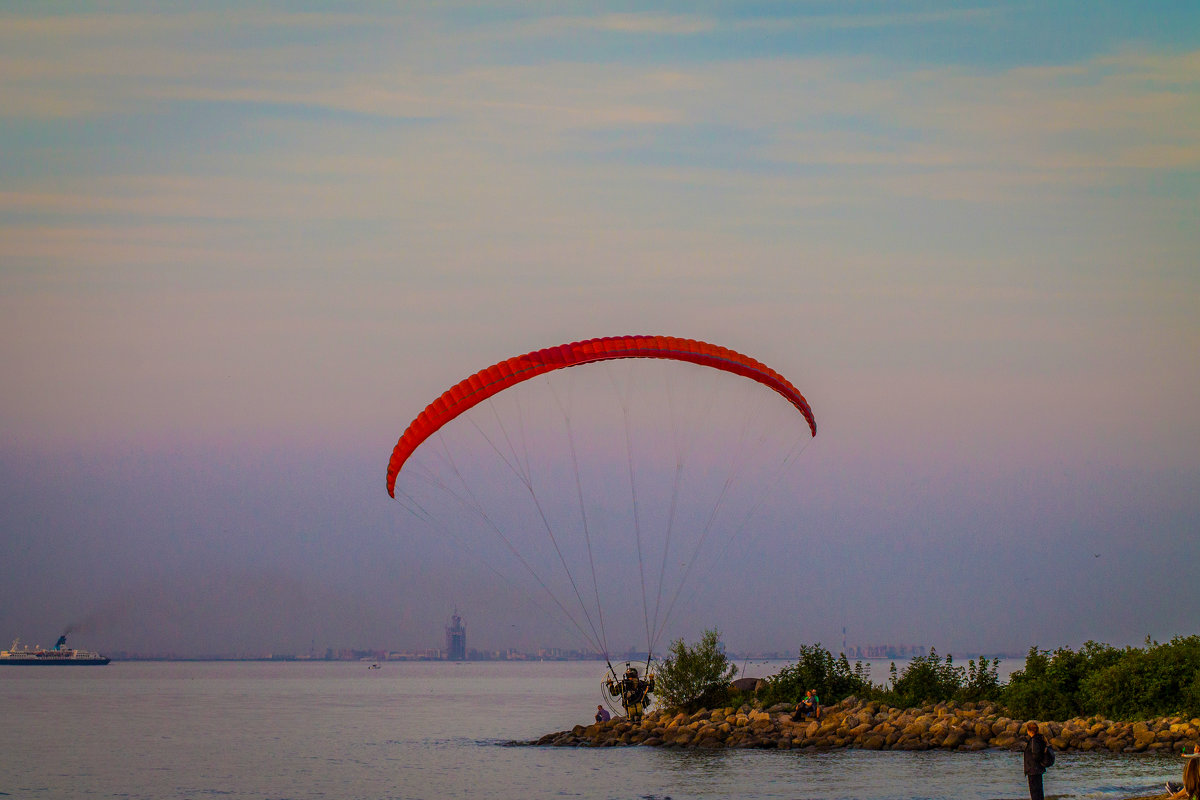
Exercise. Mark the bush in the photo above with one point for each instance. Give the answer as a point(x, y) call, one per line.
point(816, 668)
point(926, 679)
point(1158, 681)
point(695, 677)
point(1051, 684)
point(983, 681)
point(1133, 683)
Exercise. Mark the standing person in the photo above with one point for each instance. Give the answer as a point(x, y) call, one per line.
point(1033, 745)
point(602, 714)
point(633, 692)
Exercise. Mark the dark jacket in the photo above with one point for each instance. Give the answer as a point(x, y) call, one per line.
point(631, 690)
point(1034, 748)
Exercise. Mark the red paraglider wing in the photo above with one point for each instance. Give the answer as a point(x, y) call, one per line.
point(498, 377)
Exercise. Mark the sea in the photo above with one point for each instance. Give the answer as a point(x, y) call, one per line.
point(246, 730)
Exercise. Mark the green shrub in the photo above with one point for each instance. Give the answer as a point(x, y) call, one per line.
point(927, 679)
point(1133, 683)
point(983, 681)
point(695, 677)
point(1048, 686)
point(816, 668)
point(1158, 681)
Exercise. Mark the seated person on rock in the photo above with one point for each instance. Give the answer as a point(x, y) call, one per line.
point(809, 706)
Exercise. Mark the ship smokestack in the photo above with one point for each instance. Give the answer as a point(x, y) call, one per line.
point(61, 641)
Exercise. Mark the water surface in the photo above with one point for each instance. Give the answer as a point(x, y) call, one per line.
point(261, 730)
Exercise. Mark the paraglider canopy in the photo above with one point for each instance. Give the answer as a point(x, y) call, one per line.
point(487, 382)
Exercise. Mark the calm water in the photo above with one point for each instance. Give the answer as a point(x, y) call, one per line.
point(432, 730)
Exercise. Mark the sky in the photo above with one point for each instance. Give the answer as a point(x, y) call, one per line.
point(242, 247)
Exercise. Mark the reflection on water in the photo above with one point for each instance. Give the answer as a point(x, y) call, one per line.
point(251, 731)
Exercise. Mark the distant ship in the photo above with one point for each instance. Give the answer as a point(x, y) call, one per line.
point(18, 655)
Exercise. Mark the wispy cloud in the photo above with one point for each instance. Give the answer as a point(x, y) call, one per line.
point(869, 20)
point(671, 25)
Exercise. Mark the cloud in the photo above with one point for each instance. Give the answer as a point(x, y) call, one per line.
point(1084, 121)
point(670, 25)
point(869, 21)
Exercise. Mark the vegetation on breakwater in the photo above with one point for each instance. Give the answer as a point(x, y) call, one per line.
point(1131, 683)
point(695, 677)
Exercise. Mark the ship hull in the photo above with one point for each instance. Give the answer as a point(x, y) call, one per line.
point(53, 662)
point(18, 656)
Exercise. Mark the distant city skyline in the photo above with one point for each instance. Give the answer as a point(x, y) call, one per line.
point(455, 649)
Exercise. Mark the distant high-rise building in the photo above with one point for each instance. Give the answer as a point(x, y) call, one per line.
point(456, 639)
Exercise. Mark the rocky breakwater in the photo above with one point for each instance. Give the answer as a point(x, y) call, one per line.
point(874, 726)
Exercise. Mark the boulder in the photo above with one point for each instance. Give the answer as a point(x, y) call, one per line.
point(860, 730)
point(1115, 744)
point(873, 726)
point(1143, 738)
point(911, 743)
point(746, 684)
point(954, 737)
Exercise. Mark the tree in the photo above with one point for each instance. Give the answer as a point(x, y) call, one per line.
point(983, 680)
point(927, 679)
point(695, 677)
point(1051, 686)
point(1158, 681)
point(816, 668)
